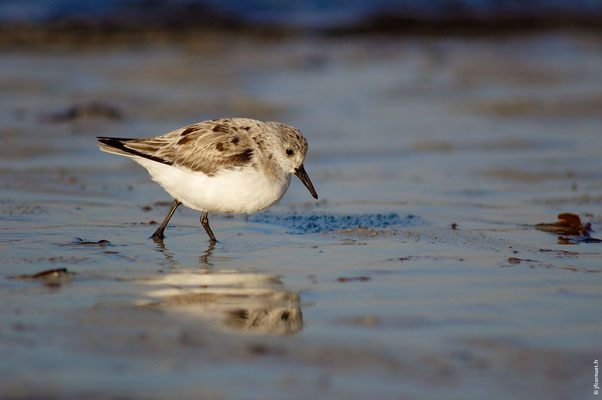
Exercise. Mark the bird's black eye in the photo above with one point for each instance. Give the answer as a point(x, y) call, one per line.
point(289, 152)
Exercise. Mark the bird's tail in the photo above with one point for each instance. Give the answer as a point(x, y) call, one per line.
point(114, 145)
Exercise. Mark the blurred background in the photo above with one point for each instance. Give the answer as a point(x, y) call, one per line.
point(322, 16)
point(445, 138)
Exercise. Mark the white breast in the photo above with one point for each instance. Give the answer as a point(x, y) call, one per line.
point(241, 191)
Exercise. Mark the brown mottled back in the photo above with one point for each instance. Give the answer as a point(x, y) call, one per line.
point(224, 143)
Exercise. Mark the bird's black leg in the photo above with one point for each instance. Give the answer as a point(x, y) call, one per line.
point(159, 232)
point(205, 223)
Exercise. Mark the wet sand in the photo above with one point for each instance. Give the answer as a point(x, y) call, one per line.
point(419, 274)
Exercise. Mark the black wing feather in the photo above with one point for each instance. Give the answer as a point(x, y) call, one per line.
point(119, 143)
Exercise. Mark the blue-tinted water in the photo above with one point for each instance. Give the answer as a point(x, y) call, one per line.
point(303, 13)
point(488, 136)
point(316, 223)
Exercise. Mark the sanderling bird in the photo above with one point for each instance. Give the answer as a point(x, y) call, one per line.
point(230, 165)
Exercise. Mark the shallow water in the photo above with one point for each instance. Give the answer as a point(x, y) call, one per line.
point(418, 274)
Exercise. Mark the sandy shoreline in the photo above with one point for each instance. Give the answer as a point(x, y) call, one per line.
point(445, 152)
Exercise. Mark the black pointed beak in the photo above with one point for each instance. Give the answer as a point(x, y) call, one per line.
point(301, 174)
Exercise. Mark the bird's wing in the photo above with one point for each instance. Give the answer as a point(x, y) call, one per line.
point(206, 147)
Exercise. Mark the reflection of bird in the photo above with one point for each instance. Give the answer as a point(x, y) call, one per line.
point(278, 313)
point(233, 165)
point(243, 301)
